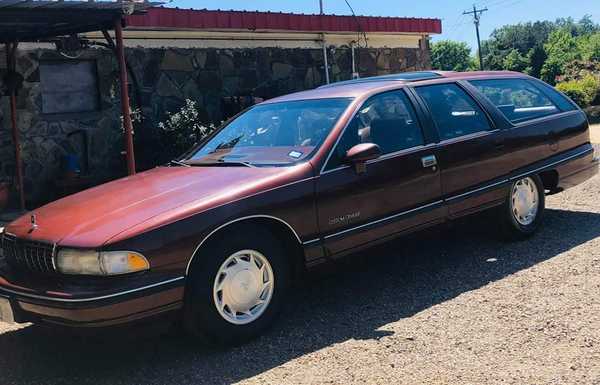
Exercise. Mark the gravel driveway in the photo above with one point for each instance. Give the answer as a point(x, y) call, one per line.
point(451, 306)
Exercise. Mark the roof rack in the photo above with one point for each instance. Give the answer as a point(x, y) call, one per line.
point(401, 77)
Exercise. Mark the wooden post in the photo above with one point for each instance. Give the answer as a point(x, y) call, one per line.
point(126, 111)
point(11, 64)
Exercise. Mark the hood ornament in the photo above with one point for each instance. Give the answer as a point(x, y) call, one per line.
point(34, 224)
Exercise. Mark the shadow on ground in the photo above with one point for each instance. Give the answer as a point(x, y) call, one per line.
point(368, 291)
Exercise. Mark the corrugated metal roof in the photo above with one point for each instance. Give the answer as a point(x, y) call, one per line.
point(26, 20)
point(248, 20)
point(128, 5)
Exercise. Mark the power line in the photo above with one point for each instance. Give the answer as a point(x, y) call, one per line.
point(476, 19)
point(360, 29)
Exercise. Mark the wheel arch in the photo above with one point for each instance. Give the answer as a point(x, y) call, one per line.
point(549, 179)
point(279, 227)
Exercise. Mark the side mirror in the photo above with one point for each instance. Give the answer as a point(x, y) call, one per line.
point(360, 154)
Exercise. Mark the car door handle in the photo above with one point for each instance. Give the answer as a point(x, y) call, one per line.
point(499, 145)
point(429, 161)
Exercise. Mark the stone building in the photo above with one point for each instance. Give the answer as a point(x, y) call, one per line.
point(68, 106)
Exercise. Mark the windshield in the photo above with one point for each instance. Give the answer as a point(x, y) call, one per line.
point(273, 134)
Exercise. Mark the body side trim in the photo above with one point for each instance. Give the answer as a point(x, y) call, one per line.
point(553, 163)
point(384, 219)
point(80, 300)
point(489, 186)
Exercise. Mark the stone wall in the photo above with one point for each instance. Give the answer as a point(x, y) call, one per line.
point(45, 138)
point(161, 81)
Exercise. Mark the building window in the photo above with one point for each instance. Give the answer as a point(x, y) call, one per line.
point(69, 87)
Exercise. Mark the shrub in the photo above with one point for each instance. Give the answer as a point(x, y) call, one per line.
point(183, 130)
point(583, 91)
point(578, 69)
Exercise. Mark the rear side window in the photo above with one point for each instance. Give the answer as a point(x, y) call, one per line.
point(454, 112)
point(386, 119)
point(518, 99)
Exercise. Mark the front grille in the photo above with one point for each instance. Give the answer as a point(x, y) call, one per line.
point(30, 255)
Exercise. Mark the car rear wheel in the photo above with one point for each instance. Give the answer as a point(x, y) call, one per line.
point(236, 286)
point(522, 211)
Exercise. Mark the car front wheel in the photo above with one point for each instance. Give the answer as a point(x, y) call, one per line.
point(236, 287)
point(521, 214)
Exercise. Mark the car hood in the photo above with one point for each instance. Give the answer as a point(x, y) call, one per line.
point(92, 217)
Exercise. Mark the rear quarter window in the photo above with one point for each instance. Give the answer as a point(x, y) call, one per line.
point(521, 100)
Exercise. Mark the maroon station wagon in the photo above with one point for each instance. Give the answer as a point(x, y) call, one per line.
point(217, 236)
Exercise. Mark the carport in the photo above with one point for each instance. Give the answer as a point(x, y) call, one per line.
point(34, 21)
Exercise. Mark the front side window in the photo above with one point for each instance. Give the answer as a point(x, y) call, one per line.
point(387, 120)
point(274, 134)
point(454, 112)
point(518, 99)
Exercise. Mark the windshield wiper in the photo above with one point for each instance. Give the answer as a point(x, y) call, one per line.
point(236, 162)
point(178, 163)
point(219, 162)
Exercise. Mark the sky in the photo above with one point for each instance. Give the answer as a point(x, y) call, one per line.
point(455, 25)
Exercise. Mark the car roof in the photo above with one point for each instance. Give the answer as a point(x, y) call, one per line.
point(358, 87)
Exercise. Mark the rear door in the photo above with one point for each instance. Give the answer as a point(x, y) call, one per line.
point(397, 192)
point(470, 149)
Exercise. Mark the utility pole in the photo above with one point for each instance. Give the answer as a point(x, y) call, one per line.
point(476, 18)
point(326, 62)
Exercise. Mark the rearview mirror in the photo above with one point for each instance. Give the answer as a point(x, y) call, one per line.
point(360, 154)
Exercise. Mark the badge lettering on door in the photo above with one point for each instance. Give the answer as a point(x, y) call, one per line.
point(344, 218)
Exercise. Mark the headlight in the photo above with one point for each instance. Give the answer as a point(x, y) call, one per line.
point(89, 262)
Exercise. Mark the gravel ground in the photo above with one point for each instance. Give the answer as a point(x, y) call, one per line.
point(473, 311)
point(595, 133)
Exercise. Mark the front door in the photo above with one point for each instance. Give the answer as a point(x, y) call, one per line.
point(399, 191)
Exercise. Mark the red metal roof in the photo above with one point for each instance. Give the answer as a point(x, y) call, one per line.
point(250, 20)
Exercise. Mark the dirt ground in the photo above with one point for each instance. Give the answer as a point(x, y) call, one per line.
point(451, 306)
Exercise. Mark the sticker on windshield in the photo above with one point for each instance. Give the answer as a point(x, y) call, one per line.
point(295, 154)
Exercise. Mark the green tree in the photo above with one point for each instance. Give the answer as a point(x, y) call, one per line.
point(536, 57)
point(561, 49)
point(450, 55)
point(522, 37)
point(589, 46)
point(514, 61)
point(529, 40)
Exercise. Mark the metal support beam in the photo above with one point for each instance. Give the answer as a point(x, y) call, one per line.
point(11, 64)
point(325, 59)
point(126, 110)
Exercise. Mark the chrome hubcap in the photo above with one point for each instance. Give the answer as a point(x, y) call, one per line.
point(524, 201)
point(243, 287)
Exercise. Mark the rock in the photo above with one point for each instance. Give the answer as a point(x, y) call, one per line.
point(199, 60)
point(174, 61)
point(282, 70)
point(166, 87)
point(226, 66)
point(312, 78)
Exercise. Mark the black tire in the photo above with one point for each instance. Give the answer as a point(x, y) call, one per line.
point(510, 226)
point(201, 317)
